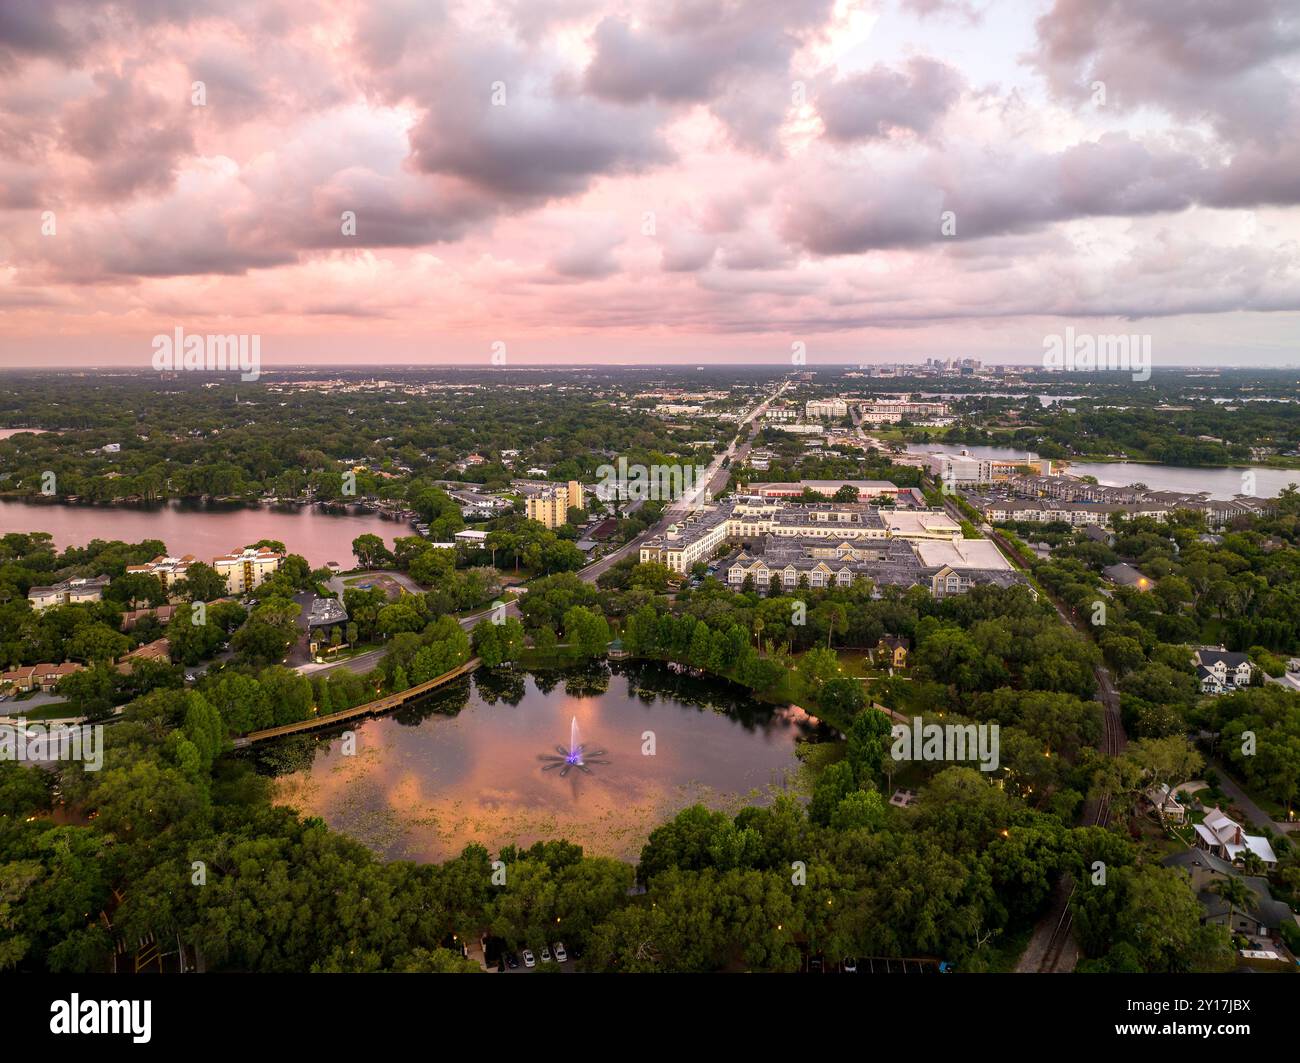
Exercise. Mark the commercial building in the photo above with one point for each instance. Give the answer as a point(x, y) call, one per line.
point(68, 592)
point(246, 569)
point(550, 507)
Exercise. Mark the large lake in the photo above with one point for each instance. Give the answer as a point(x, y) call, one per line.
point(204, 529)
point(465, 765)
point(1220, 483)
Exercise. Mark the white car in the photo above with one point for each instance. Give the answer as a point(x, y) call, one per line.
point(546, 954)
point(529, 959)
point(560, 954)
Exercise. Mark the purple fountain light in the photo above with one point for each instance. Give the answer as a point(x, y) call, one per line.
point(576, 756)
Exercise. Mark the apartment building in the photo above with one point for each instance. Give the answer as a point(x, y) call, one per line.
point(169, 570)
point(968, 470)
point(865, 488)
point(747, 519)
point(943, 568)
point(68, 592)
point(891, 411)
point(246, 569)
point(550, 506)
point(42, 677)
point(1076, 514)
point(836, 409)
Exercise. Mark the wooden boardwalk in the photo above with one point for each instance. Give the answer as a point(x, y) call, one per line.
point(370, 708)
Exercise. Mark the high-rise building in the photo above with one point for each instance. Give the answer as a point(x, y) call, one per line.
point(551, 506)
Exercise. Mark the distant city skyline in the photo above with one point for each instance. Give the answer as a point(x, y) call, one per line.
point(624, 182)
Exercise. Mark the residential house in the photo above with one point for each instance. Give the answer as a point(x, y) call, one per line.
point(1262, 916)
point(1219, 670)
point(1223, 836)
point(892, 651)
point(1161, 798)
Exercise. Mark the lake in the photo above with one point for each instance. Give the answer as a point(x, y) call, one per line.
point(465, 765)
point(205, 530)
point(1220, 483)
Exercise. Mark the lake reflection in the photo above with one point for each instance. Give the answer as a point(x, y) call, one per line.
point(465, 766)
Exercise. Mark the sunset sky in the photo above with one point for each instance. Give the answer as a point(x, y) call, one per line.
point(669, 181)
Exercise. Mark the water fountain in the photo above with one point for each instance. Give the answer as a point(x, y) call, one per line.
point(576, 756)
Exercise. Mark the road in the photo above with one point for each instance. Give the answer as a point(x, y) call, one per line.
point(714, 481)
point(1241, 800)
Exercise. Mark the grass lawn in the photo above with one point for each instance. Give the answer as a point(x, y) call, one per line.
point(857, 663)
point(50, 712)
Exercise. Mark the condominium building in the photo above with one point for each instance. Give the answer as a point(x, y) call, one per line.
point(704, 532)
point(168, 569)
point(68, 592)
point(891, 411)
point(969, 470)
point(550, 507)
point(244, 570)
point(43, 677)
point(834, 408)
point(942, 568)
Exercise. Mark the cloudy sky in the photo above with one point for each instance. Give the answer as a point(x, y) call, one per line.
point(667, 181)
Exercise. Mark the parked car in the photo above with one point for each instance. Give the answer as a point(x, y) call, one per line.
point(814, 965)
point(512, 961)
point(850, 965)
point(546, 954)
point(560, 954)
point(529, 960)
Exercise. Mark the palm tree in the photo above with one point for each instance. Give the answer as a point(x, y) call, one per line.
point(1235, 892)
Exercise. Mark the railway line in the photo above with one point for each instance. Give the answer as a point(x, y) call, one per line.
point(1054, 955)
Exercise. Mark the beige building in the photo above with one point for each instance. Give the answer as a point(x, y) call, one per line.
point(168, 569)
point(245, 570)
point(551, 507)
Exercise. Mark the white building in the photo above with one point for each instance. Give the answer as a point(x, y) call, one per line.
point(1224, 837)
point(68, 592)
point(836, 409)
point(1219, 670)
